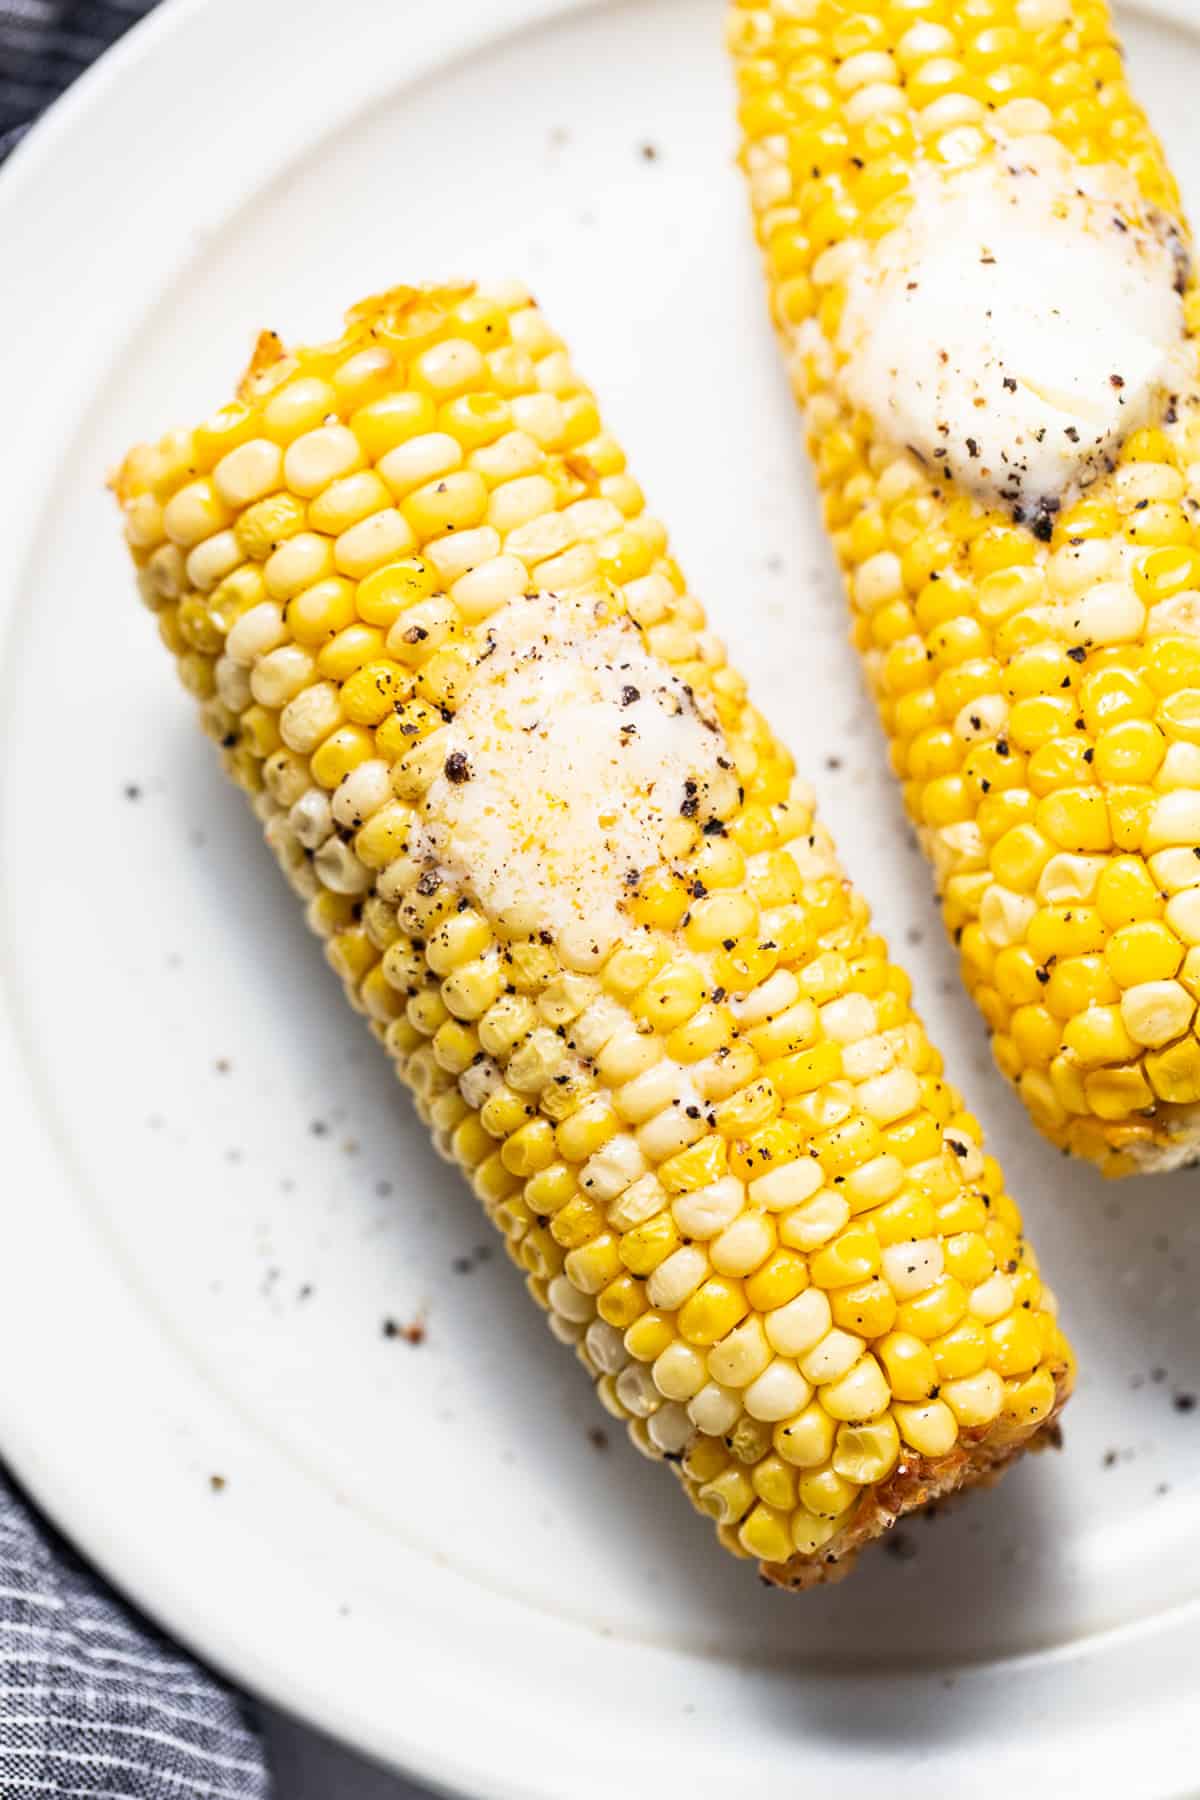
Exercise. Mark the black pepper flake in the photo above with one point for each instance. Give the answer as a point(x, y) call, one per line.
point(1184, 1403)
point(412, 1333)
point(457, 768)
point(1077, 653)
point(1010, 384)
point(1116, 381)
point(427, 883)
point(630, 695)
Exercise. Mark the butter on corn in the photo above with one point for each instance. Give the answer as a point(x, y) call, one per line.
point(566, 872)
point(980, 274)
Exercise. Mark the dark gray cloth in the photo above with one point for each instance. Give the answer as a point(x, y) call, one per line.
point(44, 45)
point(93, 1700)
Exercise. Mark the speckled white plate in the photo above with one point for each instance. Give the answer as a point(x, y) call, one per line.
point(214, 1195)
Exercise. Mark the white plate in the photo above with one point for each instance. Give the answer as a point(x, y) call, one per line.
point(420, 1548)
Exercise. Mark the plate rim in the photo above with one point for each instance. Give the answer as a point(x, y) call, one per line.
point(98, 101)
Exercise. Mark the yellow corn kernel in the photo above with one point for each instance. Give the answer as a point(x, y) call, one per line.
point(1148, 951)
point(712, 1312)
point(866, 1453)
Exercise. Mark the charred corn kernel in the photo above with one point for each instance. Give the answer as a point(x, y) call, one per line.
point(1037, 673)
point(702, 1187)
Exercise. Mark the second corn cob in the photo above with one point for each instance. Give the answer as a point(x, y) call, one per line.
point(1026, 590)
point(563, 868)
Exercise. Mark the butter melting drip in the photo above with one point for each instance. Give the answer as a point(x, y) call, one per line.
point(1022, 320)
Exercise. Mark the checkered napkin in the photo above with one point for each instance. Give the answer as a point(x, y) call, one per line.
point(93, 1701)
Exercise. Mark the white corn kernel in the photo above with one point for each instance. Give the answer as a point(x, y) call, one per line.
point(850, 1017)
point(795, 1328)
point(680, 1372)
point(212, 560)
point(743, 1246)
point(909, 1269)
point(870, 1056)
point(670, 1430)
point(339, 868)
point(778, 1393)
point(636, 1391)
point(610, 1170)
point(886, 1098)
point(1005, 916)
point(993, 1299)
point(809, 1226)
point(233, 684)
point(1157, 1012)
point(877, 581)
point(770, 997)
point(418, 460)
point(641, 1200)
point(741, 1356)
point(676, 1278)
point(308, 719)
point(1068, 879)
point(606, 1347)
point(787, 1186)
point(563, 1297)
point(861, 1393)
point(311, 818)
point(834, 1356)
point(1174, 871)
point(256, 632)
point(361, 793)
point(280, 675)
point(715, 1410)
point(249, 472)
point(318, 457)
point(708, 1210)
point(1183, 913)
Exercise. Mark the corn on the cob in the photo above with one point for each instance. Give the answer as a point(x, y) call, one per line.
point(564, 869)
point(1027, 597)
